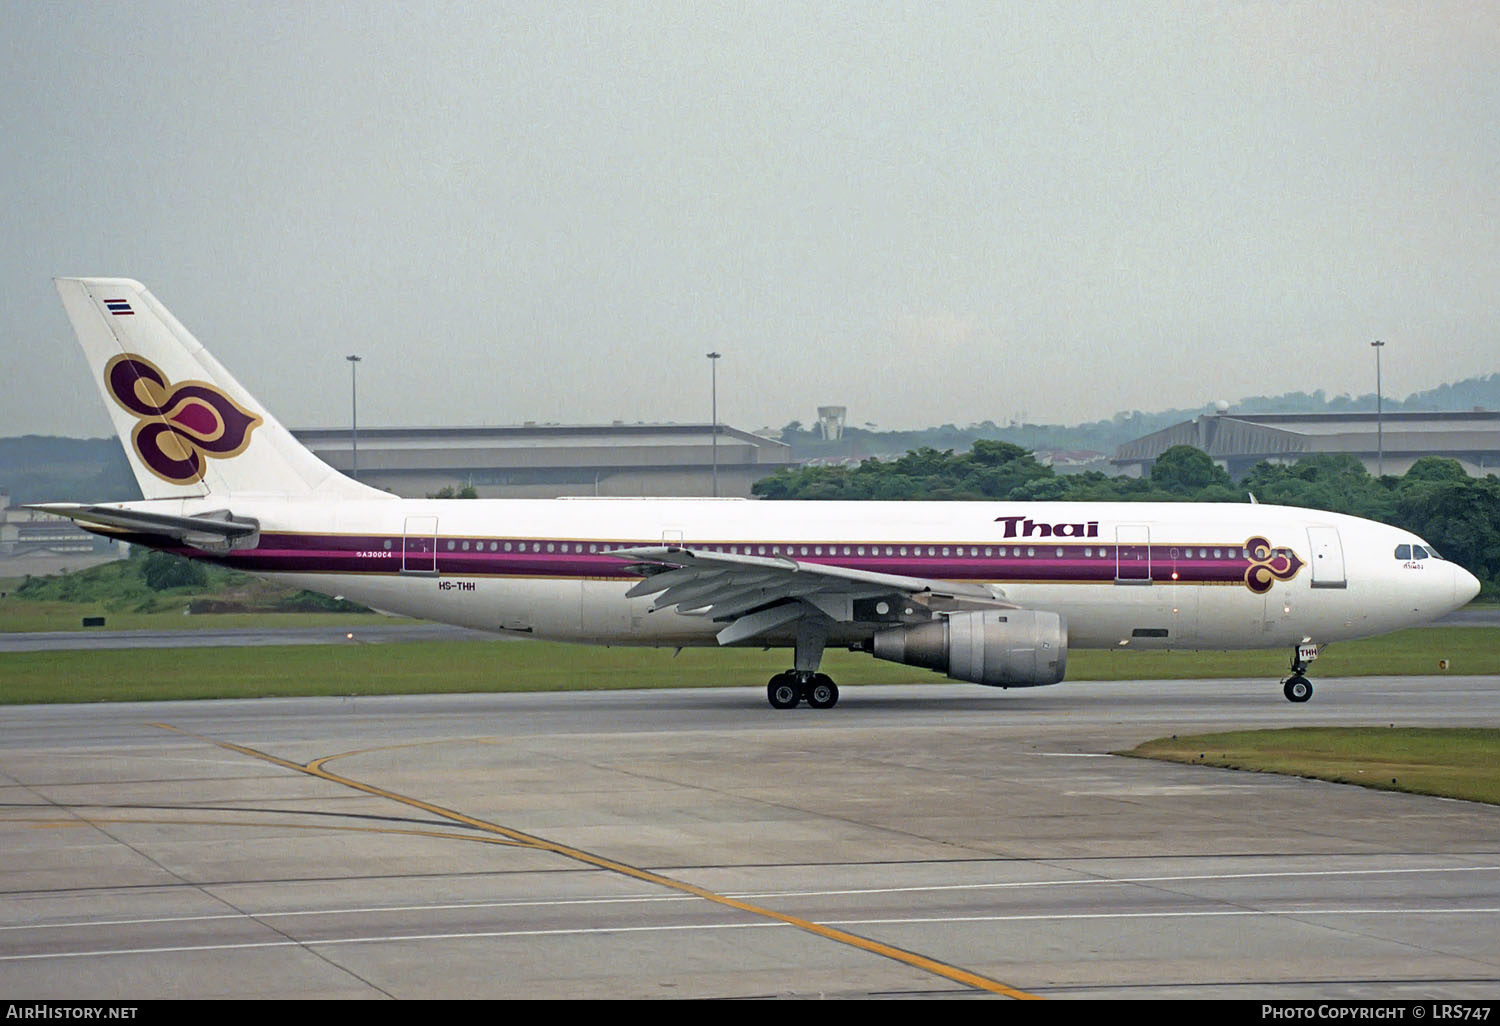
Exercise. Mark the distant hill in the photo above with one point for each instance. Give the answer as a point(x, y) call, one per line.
point(1105, 435)
point(41, 468)
point(1471, 393)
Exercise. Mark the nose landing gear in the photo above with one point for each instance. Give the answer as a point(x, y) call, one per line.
point(1297, 687)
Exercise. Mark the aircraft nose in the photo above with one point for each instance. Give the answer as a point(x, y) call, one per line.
point(1465, 586)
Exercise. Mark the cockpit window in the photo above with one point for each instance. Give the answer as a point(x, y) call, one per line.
point(1417, 552)
point(1403, 551)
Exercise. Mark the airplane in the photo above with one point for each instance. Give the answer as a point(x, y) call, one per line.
point(989, 592)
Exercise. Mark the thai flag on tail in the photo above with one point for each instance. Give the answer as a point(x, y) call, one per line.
point(118, 307)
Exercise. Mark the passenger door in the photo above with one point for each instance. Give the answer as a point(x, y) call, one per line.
point(419, 546)
point(1327, 557)
point(1132, 554)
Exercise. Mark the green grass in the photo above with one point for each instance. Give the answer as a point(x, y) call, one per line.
point(120, 591)
point(1420, 650)
point(1454, 763)
point(479, 666)
point(116, 592)
point(399, 668)
point(17, 615)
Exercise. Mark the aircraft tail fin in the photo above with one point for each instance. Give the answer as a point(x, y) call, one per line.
point(188, 427)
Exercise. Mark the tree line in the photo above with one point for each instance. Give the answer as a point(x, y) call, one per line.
point(1436, 499)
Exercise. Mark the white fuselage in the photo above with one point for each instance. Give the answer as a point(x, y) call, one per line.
point(1142, 575)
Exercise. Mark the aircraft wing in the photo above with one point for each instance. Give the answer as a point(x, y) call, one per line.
point(757, 594)
point(216, 531)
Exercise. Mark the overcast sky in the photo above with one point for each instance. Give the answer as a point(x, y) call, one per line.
point(928, 213)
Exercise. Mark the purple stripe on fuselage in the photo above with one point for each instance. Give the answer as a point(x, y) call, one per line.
point(366, 554)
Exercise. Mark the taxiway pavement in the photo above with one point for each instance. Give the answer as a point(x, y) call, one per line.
point(930, 840)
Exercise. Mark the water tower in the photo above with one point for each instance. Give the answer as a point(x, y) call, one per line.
point(831, 422)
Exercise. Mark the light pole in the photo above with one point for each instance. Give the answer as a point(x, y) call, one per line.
point(713, 362)
point(354, 414)
point(1379, 427)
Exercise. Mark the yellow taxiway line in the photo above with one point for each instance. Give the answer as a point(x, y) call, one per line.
point(317, 768)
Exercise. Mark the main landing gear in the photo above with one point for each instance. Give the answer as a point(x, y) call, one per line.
point(789, 688)
point(1297, 687)
point(803, 683)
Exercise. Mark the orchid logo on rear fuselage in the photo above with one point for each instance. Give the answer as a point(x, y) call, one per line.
point(180, 424)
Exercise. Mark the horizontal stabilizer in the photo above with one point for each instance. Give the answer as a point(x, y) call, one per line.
point(217, 531)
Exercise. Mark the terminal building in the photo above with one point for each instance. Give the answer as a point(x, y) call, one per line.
point(545, 461)
point(1389, 442)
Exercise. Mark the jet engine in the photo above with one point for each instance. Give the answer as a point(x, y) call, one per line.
point(1008, 648)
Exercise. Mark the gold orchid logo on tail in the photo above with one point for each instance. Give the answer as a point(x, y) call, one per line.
point(181, 425)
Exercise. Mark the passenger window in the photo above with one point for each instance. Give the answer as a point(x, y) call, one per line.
point(1403, 551)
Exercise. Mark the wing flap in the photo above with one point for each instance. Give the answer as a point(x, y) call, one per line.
point(755, 624)
point(759, 594)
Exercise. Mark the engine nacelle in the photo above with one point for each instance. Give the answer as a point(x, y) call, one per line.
point(1014, 648)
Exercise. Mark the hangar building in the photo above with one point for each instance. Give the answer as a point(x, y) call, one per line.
point(1238, 441)
point(544, 461)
